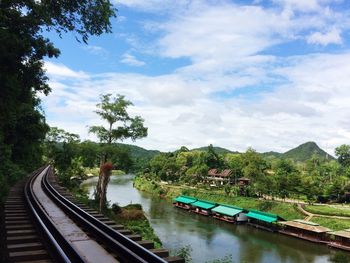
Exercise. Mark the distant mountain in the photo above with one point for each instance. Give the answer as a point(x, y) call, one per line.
point(138, 152)
point(305, 151)
point(219, 150)
point(272, 154)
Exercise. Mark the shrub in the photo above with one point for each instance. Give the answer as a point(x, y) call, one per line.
point(116, 208)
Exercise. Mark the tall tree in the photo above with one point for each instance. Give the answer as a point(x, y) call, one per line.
point(343, 154)
point(22, 49)
point(120, 126)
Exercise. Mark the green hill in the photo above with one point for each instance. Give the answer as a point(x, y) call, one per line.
point(218, 150)
point(138, 152)
point(305, 151)
point(271, 154)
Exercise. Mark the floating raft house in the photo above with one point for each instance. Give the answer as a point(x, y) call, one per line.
point(341, 239)
point(305, 229)
point(263, 220)
point(203, 207)
point(229, 213)
point(184, 201)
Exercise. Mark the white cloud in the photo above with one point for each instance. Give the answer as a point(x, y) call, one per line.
point(96, 50)
point(324, 39)
point(62, 71)
point(300, 5)
point(131, 60)
point(233, 92)
point(312, 106)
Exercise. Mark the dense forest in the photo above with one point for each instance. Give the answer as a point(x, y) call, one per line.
point(305, 172)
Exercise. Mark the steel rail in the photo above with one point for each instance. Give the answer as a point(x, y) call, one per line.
point(127, 249)
point(59, 247)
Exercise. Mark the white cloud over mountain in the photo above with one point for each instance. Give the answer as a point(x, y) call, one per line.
point(235, 92)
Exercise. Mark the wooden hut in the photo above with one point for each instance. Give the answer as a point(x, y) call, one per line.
point(263, 220)
point(184, 202)
point(216, 178)
point(340, 239)
point(203, 207)
point(228, 213)
point(305, 230)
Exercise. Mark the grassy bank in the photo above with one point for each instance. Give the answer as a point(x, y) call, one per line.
point(334, 224)
point(131, 216)
point(337, 210)
point(285, 210)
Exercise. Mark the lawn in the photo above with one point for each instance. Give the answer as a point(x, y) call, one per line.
point(334, 224)
point(332, 210)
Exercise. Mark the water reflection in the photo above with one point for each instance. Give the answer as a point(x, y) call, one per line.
point(209, 238)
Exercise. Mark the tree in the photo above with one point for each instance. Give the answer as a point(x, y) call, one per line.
point(22, 77)
point(343, 154)
point(254, 166)
point(213, 160)
point(61, 148)
point(114, 111)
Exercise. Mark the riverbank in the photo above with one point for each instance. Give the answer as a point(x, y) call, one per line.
point(288, 211)
point(285, 210)
point(131, 216)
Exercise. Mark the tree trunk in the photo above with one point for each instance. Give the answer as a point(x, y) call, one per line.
point(101, 188)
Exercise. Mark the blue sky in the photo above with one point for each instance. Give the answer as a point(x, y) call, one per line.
point(264, 74)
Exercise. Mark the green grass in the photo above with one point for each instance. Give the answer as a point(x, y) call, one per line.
point(334, 224)
point(138, 225)
point(143, 228)
point(329, 210)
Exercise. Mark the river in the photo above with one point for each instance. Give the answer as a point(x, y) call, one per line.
point(211, 239)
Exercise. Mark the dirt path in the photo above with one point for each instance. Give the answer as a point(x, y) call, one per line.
point(304, 212)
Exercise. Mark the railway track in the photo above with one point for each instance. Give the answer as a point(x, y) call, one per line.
point(43, 223)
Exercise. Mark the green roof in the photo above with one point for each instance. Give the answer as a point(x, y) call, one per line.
point(263, 216)
point(204, 204)
point(185, 199)
point(227, 210)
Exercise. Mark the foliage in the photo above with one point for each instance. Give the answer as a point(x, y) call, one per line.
point(22, 77)
point(133, 218)
point(183, 252)
point(304, 151)
point(61, 149)
point(114, 111)
point(315, 179)
point(343, 154)
point(285, 210)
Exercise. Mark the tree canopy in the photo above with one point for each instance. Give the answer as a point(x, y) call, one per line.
point(114, 111)
point(22, 50)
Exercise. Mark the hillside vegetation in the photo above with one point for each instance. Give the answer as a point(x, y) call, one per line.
point(305, 151)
